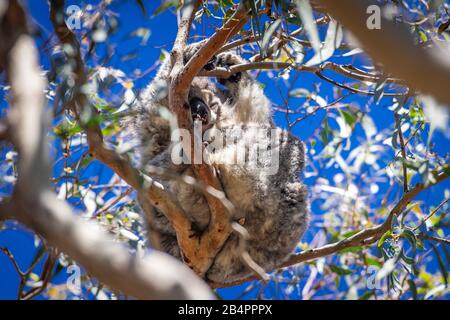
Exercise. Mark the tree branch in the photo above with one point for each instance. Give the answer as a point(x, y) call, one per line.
point(4, 130)
point(394, 47)
point(199, 253)
point(254, 38)
point(5, 210)
point(431, 213)
point(347, 71)
point(156, 276)
point(210, 48)
point(152, 191)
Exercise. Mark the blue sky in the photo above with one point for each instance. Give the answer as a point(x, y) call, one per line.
point(163, 30)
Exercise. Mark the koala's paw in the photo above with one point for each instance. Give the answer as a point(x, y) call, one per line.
point(226, 60)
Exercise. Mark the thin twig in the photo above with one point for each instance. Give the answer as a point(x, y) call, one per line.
point(45, 277)
point(431, 213)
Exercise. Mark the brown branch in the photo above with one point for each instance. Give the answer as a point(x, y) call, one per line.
point(437, 239)
point(111, 203)
point(254, 38)
point(45, 277)
point(432, 213)
point(5, 211)
point(347, 71)
point(199, 253)
point(4, 130)
point(393, 46)
point(362, 238)
point(97, 147)
point(183, 76)
point(34, 203)
point(24, 275)
point(13, 261)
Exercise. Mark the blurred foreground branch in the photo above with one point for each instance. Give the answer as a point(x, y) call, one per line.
point(157, 275)
point(393, 46)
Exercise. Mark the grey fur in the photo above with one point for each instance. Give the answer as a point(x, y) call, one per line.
point(274, 206)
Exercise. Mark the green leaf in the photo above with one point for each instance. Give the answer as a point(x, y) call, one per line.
point(348, 234)
point(340, 270)
point(349, 116)
point(306, 14)
point(333, 41)
point(383, 238)
point(442, 265)
point(226, 3)
point(268, 35)
point(367, 295)
point(351, 249)
point(408, 234)
point(325, 132)
point(300, 92)
point(407, 259)
point(166, 5)
point(379, 88)
point(372, 262)
point(444, 26)
point(142, 6)
point(253, 5)
point(423, 36)
point(412, 288)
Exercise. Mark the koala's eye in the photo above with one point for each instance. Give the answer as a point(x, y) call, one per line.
point(199, 110)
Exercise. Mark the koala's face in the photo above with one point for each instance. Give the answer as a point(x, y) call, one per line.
point(205, 101)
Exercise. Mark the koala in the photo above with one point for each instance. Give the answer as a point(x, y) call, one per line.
point(272, 206)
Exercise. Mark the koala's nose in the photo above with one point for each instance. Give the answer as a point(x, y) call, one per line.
point(199, 110)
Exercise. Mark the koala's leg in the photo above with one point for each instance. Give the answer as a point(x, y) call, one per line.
point(273, 237)
point(278, 218)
